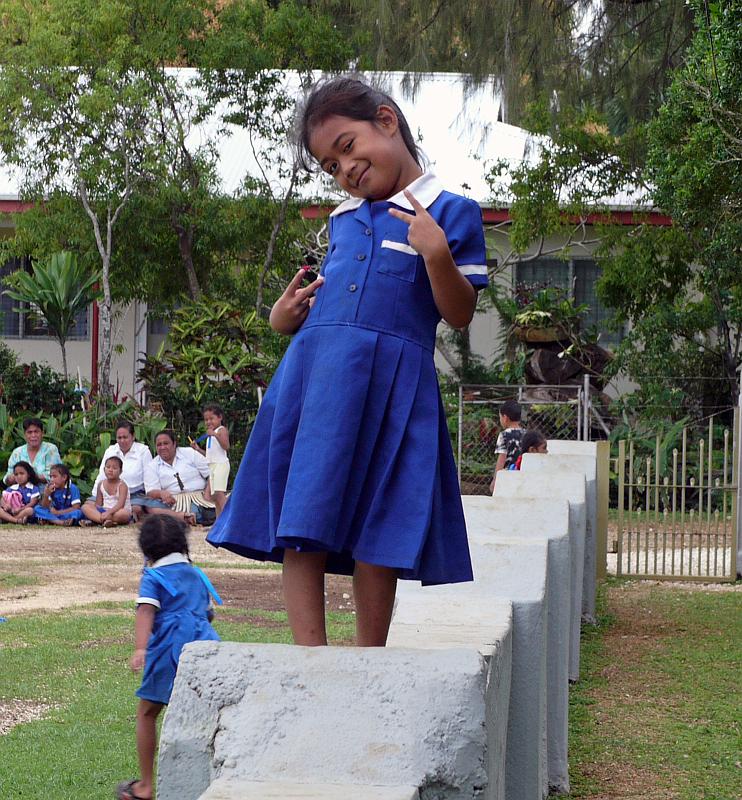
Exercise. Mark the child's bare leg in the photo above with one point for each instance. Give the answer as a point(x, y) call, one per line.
point(90, 511)
point(304, 596)
point(24, 514)
point(219, 499)
point(147, 713)
point(121, 517)
point(6, 516)
point(374, 588)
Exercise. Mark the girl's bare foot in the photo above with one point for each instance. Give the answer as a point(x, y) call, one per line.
point(109, 523)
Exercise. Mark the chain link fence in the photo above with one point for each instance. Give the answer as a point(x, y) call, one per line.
point(473, 420)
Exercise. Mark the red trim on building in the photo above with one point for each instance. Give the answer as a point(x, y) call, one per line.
point(494, 215)
point(13, 206)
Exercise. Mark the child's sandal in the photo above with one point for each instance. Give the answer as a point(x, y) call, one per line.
point(124, 791)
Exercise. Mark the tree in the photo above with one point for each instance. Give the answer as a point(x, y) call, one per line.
point(57, 290)
point(678, 287)
point(78, 105)
point(615, 55)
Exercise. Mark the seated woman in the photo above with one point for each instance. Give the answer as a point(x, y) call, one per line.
point(19, 499)
point(38, 453)
point(136, 474)
point(60, 503)
point(181, 475)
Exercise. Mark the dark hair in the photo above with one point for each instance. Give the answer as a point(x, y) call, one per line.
point(64, 470)
point(124, 423)
point(170, 433)
point(531, 439)
point(215, 408)
point(115, 458)
point(162, 534)
point(32, 476)
point(511, 410)
point(29, 421)
point(345, 97)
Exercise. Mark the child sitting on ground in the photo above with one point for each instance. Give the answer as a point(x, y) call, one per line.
point(173, 609)
point(532, 442)
point(19, 499)
point(60, 503)
point(112, 504)
point(508, 442)
point(217, 445)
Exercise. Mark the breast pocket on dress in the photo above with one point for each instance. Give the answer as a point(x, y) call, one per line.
point(399, 260)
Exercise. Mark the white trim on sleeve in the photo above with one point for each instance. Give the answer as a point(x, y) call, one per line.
point(473, 269)
point(150, 601)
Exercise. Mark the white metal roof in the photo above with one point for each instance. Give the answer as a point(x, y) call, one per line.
point(455, 123)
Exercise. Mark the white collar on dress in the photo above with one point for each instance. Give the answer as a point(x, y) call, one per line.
point(171, 558)
point(17, 486)
point(426, 189)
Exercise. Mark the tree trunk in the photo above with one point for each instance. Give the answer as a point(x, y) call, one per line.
point(185, 245)
point(277, 225)
point(64, 358)
point(106, 350)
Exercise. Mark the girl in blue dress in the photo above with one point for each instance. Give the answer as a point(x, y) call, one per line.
point(173, 608)
point(61, 501)
point(19, 498)
point(349, 467)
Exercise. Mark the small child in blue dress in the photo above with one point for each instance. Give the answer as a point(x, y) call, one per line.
point(19, 498)
point(61, 501)
point(173, 608)
point(349, 467)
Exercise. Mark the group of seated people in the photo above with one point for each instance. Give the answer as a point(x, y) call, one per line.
point(131, 482)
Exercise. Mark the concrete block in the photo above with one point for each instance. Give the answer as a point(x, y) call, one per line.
point(502, 519)
point(586, 465)
point(513, 570)
point(426, 621)
point(572, 447)
point(570, 487)
point(223, 789)
point(369, 716)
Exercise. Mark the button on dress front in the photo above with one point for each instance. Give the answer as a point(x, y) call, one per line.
point(350, 451)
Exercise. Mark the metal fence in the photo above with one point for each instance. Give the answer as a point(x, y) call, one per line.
point(473, 417)
point(677, 510)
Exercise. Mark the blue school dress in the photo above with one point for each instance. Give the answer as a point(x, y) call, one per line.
point(61, 499)
point(350, 451)
point(180, 592)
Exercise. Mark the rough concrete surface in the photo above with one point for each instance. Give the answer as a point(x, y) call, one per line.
point(369, 716)
point(514, 570)
point(223, 789)
point(571, 487)
point(502, 519)
point(430, 621)
point(587, 465)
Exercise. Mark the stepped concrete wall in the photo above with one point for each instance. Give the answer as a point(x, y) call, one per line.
point(469, 700)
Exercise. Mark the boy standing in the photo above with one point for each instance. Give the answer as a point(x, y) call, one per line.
point(508, 442)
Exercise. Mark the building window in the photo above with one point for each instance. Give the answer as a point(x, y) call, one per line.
point(17, 323)
point(577, 277)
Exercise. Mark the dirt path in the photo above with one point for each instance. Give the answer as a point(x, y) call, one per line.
point(47, 568)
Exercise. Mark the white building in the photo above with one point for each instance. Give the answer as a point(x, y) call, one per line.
point(458, 130)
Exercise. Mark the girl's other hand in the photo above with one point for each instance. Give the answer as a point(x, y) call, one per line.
point(292, 307)
point(137, 660)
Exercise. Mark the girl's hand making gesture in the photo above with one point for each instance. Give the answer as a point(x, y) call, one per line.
point(454, 296)
point(291, 308)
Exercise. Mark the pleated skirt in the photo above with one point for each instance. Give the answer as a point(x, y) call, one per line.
point(350, 454)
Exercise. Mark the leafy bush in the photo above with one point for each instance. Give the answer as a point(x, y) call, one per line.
point(33, 387)
point(214, 354)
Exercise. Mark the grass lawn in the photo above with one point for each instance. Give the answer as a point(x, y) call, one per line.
point(656, 714)
point(658, 711)
point(76, 662)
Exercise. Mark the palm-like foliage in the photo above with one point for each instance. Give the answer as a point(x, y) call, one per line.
point(56, 290)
